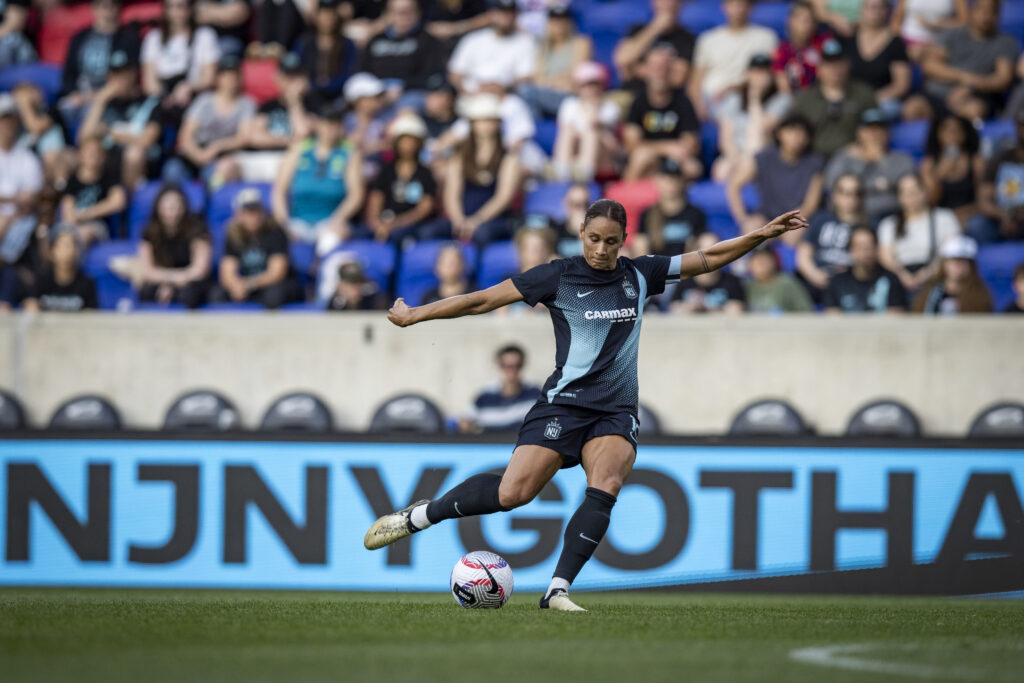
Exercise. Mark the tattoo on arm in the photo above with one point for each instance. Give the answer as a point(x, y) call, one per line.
point(704, 261)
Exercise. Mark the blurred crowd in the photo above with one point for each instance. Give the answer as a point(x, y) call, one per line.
point(304, 153)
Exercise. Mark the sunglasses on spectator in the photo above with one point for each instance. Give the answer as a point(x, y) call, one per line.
point(511, 366)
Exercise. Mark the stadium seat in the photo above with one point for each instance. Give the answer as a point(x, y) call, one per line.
point(786, 254)
point(12, 415)
point(769, 417)
point(87, 412)
point(547, 130)
point(635, 196)
point(710, 196)
point(302, 256)
point(141, 207)
point(999, 421)
point(996, 130)
point(112, 292)
point(884, 418)
point(615, 17)
point(497, 262)
point(154, 307)
point(649, 423)
point(774, 15)
point(60, 24)
point(909, 137)
point(408, 413)
point(297, 412)
point(723, 226)
point(259, 79)
point(221, 208)
point(547, 199)
point(708, 144)
point(604, 51)
point(1011, 19)
point(996, 263)
point(46, 76)
point(416, 274)
point(147, 13)
point(201, 411)
point(699, 17)
point(378, 259)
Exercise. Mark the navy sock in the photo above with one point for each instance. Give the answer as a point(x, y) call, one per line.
point(583, 532)
point(478, 495)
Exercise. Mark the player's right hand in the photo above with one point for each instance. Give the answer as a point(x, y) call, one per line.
point(400, 314)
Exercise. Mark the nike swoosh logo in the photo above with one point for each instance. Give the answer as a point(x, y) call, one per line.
point(583, 294)
point(458, 511)
point(588, 539)
point(493, 590)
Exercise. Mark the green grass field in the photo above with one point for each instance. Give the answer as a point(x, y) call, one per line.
point(120, 635)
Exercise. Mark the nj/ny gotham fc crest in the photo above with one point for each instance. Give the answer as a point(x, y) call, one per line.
point(627, 287)
point(553, 429)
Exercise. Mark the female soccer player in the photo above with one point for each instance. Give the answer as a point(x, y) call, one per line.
point(587, 413)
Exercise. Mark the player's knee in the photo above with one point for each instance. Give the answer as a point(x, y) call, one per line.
point(513, 494)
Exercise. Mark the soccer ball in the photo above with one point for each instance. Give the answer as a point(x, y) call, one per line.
point(481, 580)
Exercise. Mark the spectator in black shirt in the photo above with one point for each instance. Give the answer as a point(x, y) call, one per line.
point(878, 58)
point(279, 23)
point(716, 292)
point(356, 292)
point(671, 225)
point(1018, 289)
point(328, 57)
point(663, 28)
point(866, 287)
point(403, 54)
point(823, 250)
point(661, 122)
point(449, 20)
point(953, 168)
point(255, 266)
point(230, 19)
point(450, 269)
point(63, 286)
point(175, 254)
point(93, 194)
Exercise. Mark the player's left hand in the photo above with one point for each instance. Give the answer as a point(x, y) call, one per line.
point(400, 314)
point(791, 220)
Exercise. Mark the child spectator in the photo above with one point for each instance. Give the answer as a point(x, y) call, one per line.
point(716, 292)
point(672, 224)
point(356, 292)
point(772, 291)
point(878, 58)
point(797, 57)
point(179, 58)
point(62, 286)
point(255, 266)
point(327, 56)
point(866, 287)
point(450, 269)
point(1018, 291)
point(586, 144)
point(93, 194)
point(952, 167)
point(664, 27)
point(956, 287)
point(824, 248)
point(175, 254)
point(503, 407)
point(560, 52)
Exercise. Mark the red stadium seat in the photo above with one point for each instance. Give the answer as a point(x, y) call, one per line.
point(59, 27)
point(259, 79)
point(635, 196)
point(142, 12)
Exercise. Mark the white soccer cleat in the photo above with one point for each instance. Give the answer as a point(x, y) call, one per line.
point(559, 601)
point(391, 527)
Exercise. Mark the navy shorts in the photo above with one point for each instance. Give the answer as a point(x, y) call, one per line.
point(566, 429)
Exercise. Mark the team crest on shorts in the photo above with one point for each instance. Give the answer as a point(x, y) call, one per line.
point(553, 429)
point(627, 287)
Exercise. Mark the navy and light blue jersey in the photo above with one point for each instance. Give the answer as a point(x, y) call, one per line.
point(597, 316)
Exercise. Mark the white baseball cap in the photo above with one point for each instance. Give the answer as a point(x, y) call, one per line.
point(959, 246)
point(362, 85)
point(7, 105)
point(588, 72)
point(409, 124)
point(249, 197)
point(481, 106)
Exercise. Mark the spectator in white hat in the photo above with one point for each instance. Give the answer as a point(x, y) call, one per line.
point(957, 287)
point(586, 143)
point(368, 117)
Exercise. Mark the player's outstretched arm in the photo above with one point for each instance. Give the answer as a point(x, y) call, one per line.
point(474, 303)
point(724, 253)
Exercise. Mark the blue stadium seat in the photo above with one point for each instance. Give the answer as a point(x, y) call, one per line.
point(220, 209)
point(909, 137)
point(771, 14)
point(303, 307)
point(497, 262)
point(699, 17)
point(416, 274)
point(546, 199)
point(996, 263)
point(141, 207)
point(998, 129)
point(378, 259)
point(723, 226)
point(786, 255)
point(153, 307)
point(604, 50)
point(547, 130)
point(1011, 19)
point(46, 76)
point(302, 255)
point(110, 289)
point(710, 196)
point(615, 16)
point(708, 144)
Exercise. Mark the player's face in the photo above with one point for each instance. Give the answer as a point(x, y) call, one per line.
point(602, 238)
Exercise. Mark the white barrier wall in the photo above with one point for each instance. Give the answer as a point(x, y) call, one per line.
point(696, 373)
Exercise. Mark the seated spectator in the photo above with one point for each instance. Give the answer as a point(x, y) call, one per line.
point(21, 181)
point(175, 255)
point(404, 55)
point(499, 54)
point(833, 104)
point(230, 19)
point(43, 133)
point(920, 20)
point(62, 286)
point(970, 69)
point(503, 407)
point(179, 60)
point(910, 240)
point(722, 55)
point(718, 291)
point(664, 27)
point(878, 58)
point(586, 144)
point(1018, 291)
point(15, 47)
point(560, 52)
point(214, 127)
point(952, 168)
point(771, 291)
point(956, 287)
point(255, 266)
point(128, 121)
point(575, 203)
point(866, 287)
point(279, 24)
point(401, 206)
point(327, 56)
point(449, 20)
point(870, 159)
point(1001, 195)
point(824, 248)
point(747, 118)
point(450, 269)
point(438, 112)
point(85, 67)
point(483, 177)
point(367, 121)
point(517, 126)
point(319, 186)
point(356, 292)
point(796, 59)
point(788, 175)
point(93, 195)
point(661, 122)
point(671, 225)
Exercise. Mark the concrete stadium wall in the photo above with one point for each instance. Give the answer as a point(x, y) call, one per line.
point(696, 373)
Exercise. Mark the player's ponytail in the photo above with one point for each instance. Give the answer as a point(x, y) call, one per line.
point(606, 208)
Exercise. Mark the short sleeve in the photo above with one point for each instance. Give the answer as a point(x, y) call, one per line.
point(207, 50)
point(657, 270)
point(426, 179)
point(608, 114)
point(459, 63)
point(33, 178)
point(568, 111)
point(1007, 48)
point(277, 242)
point(688, 122)
point(887, 231)
point(540, 283)
point(151, 47)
